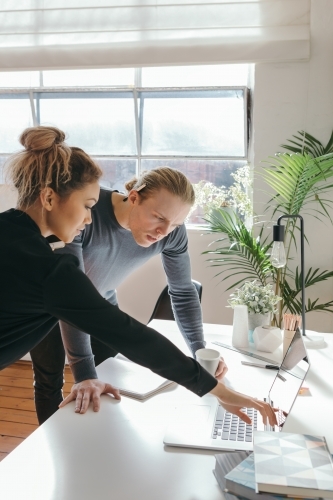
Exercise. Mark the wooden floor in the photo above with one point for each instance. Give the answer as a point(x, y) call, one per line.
point(17, 410)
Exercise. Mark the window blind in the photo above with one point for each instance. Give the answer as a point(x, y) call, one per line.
point(60, 34)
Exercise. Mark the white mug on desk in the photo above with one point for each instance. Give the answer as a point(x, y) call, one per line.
point(208, 359)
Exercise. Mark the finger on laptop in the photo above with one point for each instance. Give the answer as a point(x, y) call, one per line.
point(236, 410)
point(266, 411)
point(237, 400)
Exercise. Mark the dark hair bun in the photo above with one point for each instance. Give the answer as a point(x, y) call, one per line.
point(41, 138)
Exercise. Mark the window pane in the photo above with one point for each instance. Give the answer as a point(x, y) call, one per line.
point(97, 125)
point(196, 76)
point(216, 171)
point(205, 124)
point(19, 79)
point(89, 77)
point(18, 117)
point(116, 172)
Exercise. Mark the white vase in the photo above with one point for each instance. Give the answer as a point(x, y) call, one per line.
point(256, 319)
point(240, 327)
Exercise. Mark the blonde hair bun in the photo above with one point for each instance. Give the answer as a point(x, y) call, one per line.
point(41, 138)
point(47, 161)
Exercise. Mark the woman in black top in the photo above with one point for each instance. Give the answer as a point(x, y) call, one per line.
point(57, 188)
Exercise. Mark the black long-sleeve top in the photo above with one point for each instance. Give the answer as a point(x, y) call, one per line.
point(39, 287)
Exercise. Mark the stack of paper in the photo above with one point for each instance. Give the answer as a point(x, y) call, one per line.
point(225, 463)
point(131, 379)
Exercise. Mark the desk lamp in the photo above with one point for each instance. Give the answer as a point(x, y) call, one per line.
point(278, 259)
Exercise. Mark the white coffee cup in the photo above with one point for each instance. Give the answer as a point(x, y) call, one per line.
point(208, 359)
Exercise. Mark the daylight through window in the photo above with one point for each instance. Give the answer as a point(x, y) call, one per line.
point(194, 119)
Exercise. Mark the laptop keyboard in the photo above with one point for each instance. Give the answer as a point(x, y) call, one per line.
point(229, 427)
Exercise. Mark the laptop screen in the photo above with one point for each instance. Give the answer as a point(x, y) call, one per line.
point(289, 378)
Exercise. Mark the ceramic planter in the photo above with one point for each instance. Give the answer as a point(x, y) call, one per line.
point(267, 338)
point(257, 320)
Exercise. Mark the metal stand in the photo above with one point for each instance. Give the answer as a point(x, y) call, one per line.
point(316, 341)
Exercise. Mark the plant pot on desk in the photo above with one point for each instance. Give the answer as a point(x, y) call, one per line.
point(267, 338)
point(256, 319)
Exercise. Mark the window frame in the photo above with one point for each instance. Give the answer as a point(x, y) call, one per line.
point(138, 93)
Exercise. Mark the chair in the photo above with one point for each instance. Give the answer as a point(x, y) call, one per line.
point(163, 309)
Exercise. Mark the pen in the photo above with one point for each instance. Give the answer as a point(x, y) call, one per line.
point(268, 367)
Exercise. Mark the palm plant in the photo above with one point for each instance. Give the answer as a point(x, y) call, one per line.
point(297, 179)
point(306, 143)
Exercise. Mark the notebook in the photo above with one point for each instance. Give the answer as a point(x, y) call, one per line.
point(132, 380)
point(235, 474)
point(240, 481)
point(226, 463)
point(293, 464)
point(207, 425)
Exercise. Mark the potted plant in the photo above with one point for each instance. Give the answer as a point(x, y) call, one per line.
point(243, 253)
point(260, 300)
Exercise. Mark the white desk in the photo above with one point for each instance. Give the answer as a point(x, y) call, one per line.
point(119, 454)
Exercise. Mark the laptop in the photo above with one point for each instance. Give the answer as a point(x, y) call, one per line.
point(207, 425)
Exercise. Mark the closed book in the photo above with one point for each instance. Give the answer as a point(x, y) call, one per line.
point(132, 380)
point(234, 473)
point(240, 481)
point(226, 494)
point(225, 462)
point(292, 464)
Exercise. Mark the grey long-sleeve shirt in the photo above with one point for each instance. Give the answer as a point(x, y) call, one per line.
point(107, 254)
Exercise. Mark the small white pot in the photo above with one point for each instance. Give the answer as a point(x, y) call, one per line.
point(256, 319)
point(267, 338)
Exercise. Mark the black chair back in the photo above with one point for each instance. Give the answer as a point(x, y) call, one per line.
point(163, 309)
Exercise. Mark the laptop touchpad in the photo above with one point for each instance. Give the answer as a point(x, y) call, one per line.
point(186, 413)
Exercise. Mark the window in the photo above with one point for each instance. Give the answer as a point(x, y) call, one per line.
point(191, 118)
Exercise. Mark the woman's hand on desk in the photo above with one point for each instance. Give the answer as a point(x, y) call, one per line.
point(234, 401)
point(89, 390)
point(221, 369)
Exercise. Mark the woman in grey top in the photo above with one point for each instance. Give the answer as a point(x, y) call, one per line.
point(126, 231)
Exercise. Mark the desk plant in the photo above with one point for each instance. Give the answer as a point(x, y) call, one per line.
point(295, 180)
point(260, 300)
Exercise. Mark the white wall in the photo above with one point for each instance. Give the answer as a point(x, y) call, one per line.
point(287, 97)
point(8, 197)
point(291, 97)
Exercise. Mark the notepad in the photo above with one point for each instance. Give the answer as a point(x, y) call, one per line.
point(293, 464)
point(132, 380)
point(235, 475)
